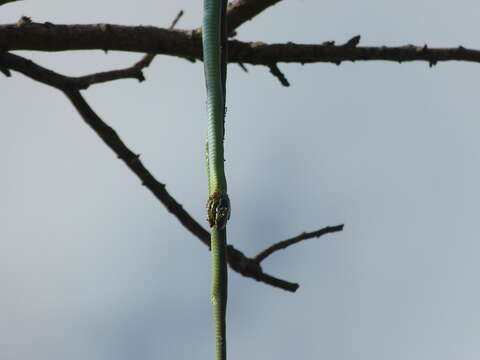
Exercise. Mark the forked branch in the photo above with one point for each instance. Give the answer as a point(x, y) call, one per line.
point(70, 86)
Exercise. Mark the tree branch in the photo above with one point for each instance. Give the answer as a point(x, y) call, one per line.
point(147, 59)
point(58, 81)
point(27, 35)
point(187, 44)
point(83, 82)
point(303, 236)
point(69, 86)
point(3, 2)
point(240, 11)
point(107, 134)
point(275, 71)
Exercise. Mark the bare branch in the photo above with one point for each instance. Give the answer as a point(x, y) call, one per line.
point(2, 2)
point(133, 162)
point(187, 44)
point(237, 260)
point(107, 134)
point(303, 236)
point(5, 71)
point(134, 72)
point(148, 58)
point(243, 67)
point(177, 18)
point(275, 71)
point(36, 72)
point(82, 82)
point(353, 42)
point(143, 39)
point(251, 268)
point(240, 11)
point(258, 53)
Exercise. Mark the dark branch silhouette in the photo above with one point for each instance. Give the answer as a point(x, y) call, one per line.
point(2, 2)
point(70, 87)
point(240, 11)
point(303, 236)
point(275, 71)
point(187, 44)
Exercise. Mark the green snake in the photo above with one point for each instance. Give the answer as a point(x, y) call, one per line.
point(218, 205)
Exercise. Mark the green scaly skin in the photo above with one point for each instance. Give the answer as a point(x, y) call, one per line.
point(214, 58)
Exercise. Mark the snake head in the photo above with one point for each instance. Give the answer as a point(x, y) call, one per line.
point(218, 209)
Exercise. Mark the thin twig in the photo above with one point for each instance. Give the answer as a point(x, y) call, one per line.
point(134, 72)
point(54, 79)
point(2, 2)
point(303, 236)
point(243, 67)
point(353, 42)
point(275, 71)
point(146, 60)
point(240, 11)
point(177, 18)
point(251, 268)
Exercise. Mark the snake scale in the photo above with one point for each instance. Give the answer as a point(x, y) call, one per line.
point(215, 66)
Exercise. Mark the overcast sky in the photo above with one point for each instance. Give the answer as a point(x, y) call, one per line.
point(93, 267)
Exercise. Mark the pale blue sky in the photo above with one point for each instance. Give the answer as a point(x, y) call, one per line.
point(93, 267)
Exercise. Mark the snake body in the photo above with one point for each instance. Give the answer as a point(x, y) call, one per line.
point(218, 205)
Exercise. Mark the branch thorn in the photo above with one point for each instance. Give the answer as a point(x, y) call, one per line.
point(279, 75)
point(353, 42)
